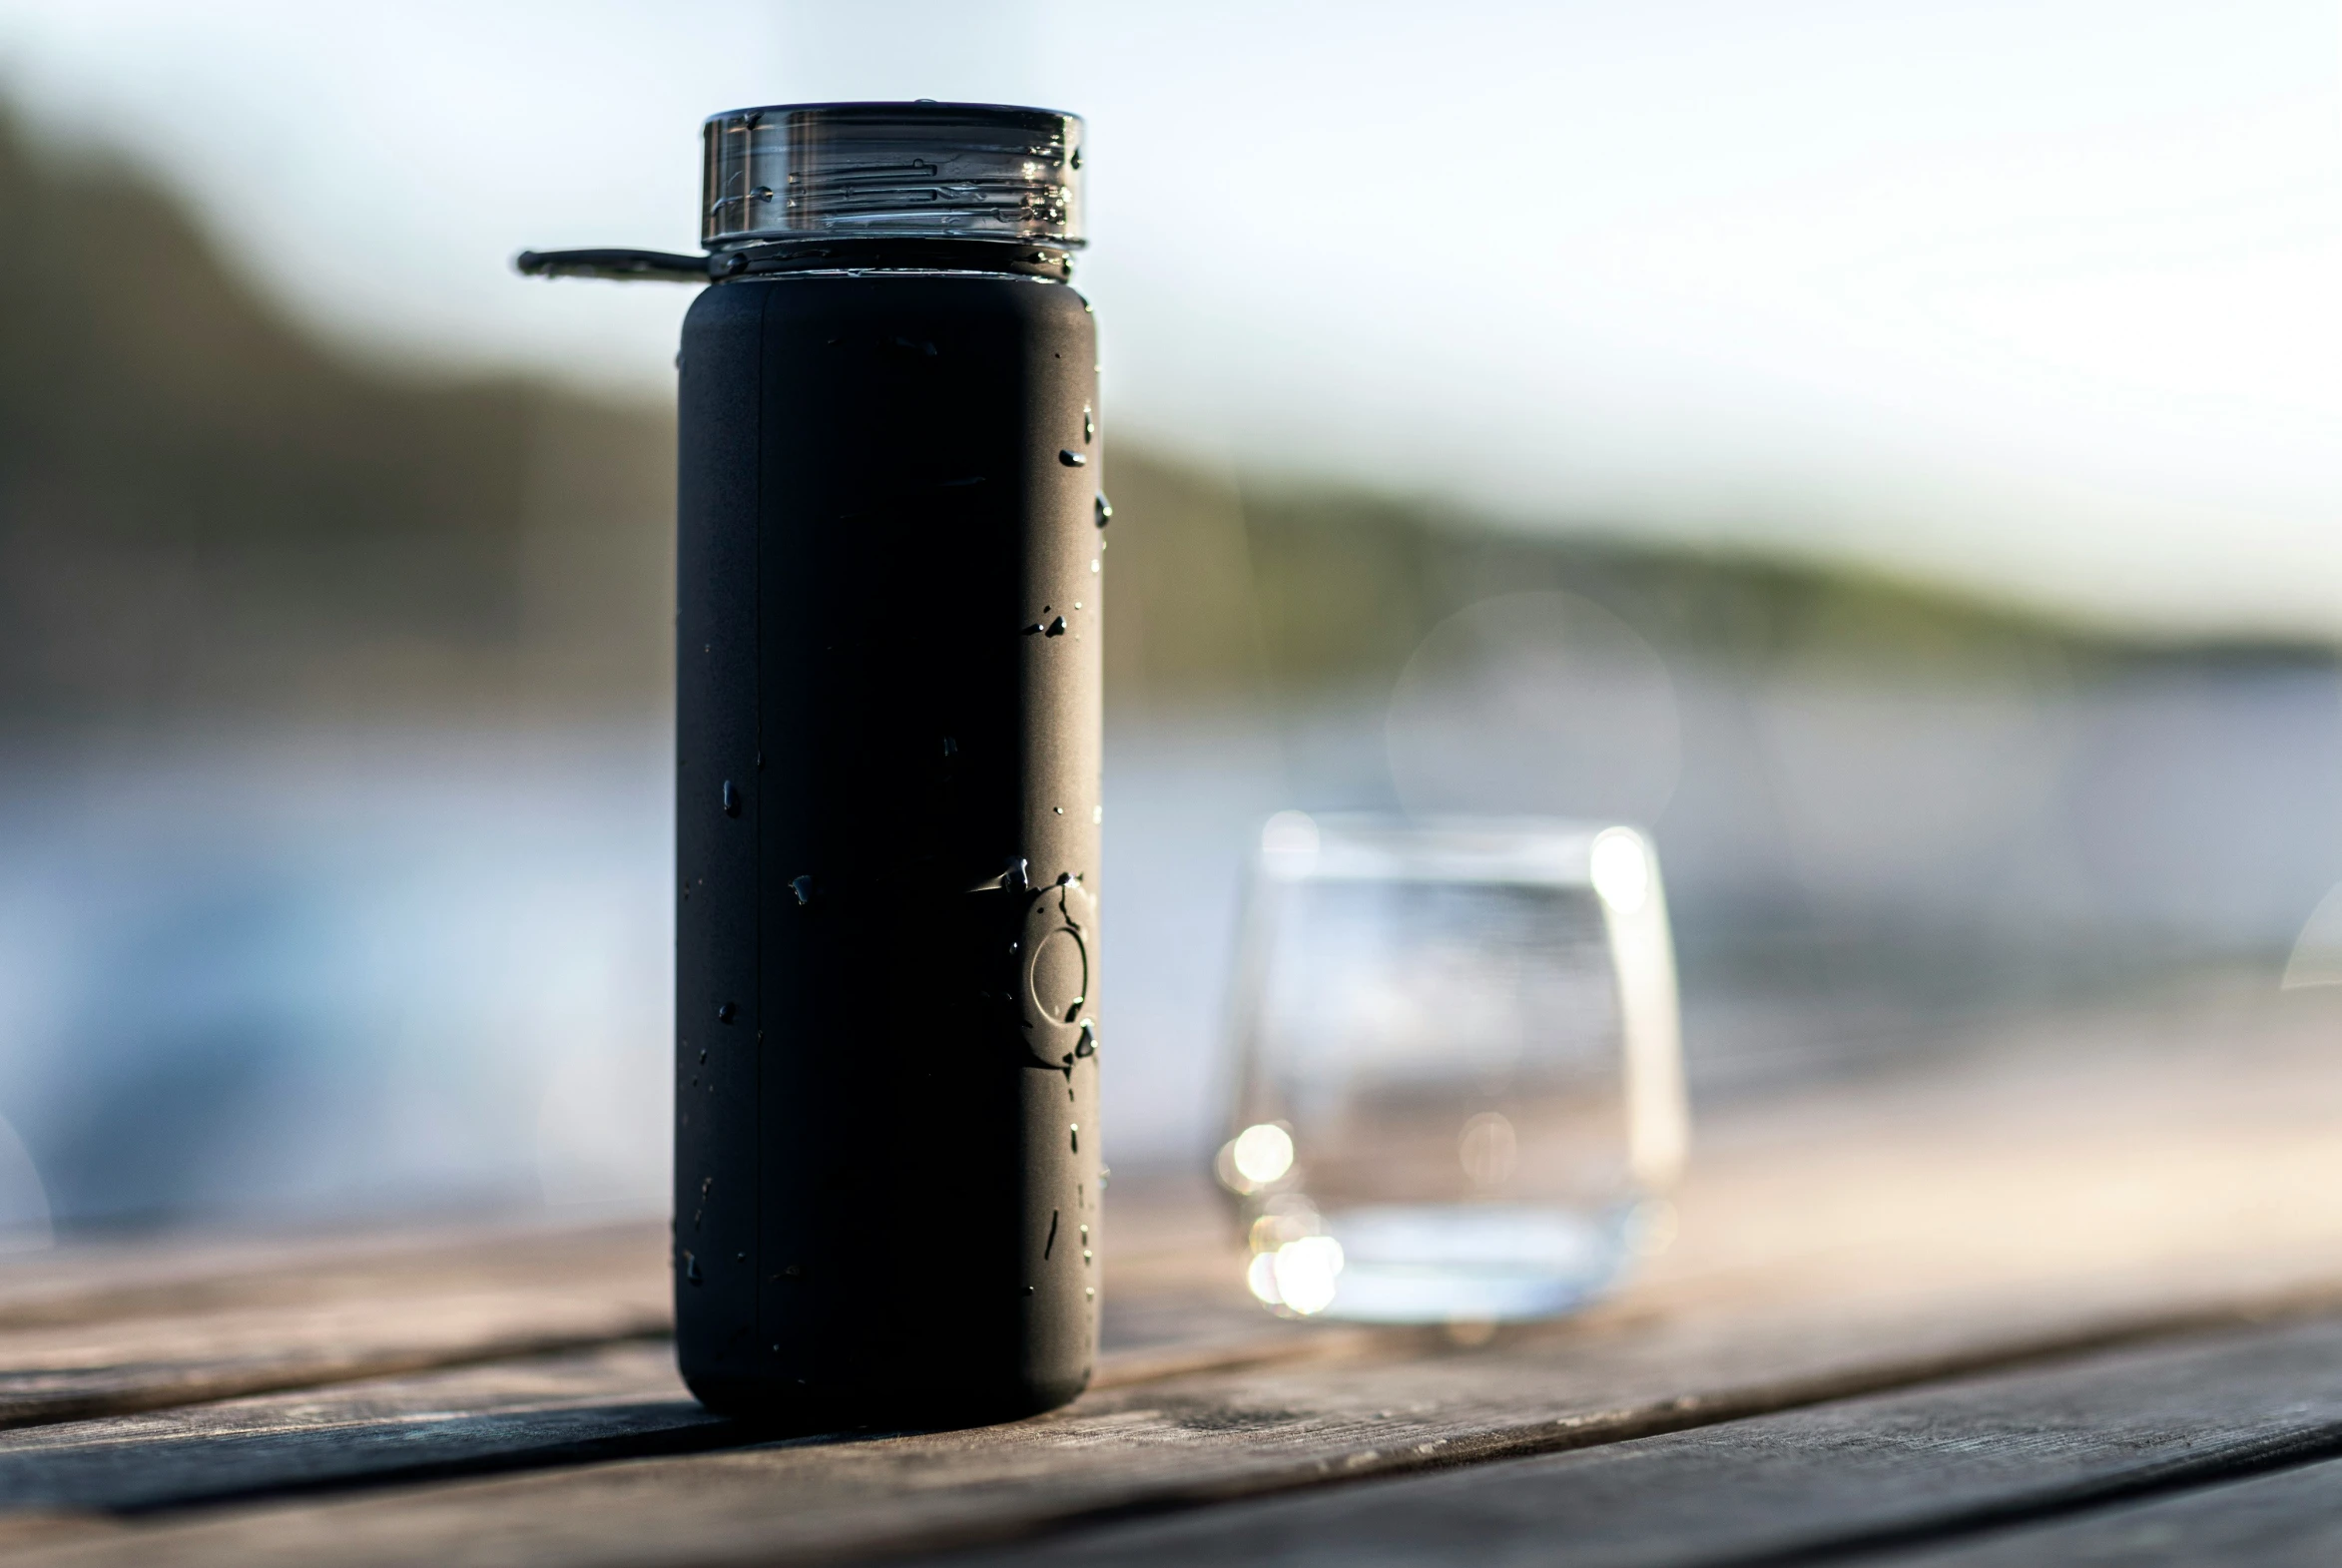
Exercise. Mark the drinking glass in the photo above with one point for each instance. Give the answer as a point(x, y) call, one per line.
point(1459, 1093)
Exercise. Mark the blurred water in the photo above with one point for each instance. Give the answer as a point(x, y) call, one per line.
point(287, 977)
point(1860, 866)
point(281, 977)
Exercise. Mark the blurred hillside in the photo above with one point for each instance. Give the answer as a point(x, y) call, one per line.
point(1230, 592)
point(204, 509)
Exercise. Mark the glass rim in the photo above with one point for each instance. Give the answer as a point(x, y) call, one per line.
point(1361, 846)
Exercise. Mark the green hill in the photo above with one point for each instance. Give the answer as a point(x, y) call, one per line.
point(201, 507)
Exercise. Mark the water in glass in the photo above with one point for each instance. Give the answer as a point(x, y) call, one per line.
point(1460, 1096)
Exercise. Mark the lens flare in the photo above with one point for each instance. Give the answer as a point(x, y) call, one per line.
point(1263, 1153)
point(1261, 1276)
point(1619, 870)
point(1305, 1273)
point(1290, 832)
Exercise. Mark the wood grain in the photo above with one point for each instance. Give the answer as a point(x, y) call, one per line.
point(1180, 1442)
point(1952, 1457)
point(536, 1410)
point(171, 1275)
point(110, 1329)
point(148, 1363)
point(103, 1329)
point(2289, 1518)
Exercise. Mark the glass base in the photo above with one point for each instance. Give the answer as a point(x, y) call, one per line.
point(1472, 1263)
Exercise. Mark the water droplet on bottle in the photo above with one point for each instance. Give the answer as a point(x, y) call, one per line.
point(1105, 510)
point(1013, 880)
point(1057, 627)
point(1089, 427)
point(691, 1269)
point(731, 798)
point(1073, 1136)
point(803, 887)
point(1071, 458)
point(1089, 1040)
point(1059, 809)
point(726, 1012)
point(951, 747)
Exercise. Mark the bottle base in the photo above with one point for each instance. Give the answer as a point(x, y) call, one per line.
point(793, 1406)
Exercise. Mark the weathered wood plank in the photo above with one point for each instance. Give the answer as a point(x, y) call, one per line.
point(610, 1401)
point(1951, 1457)
point(2289, 1518)
point(111, 1329)
point(102, 1329)
point(53, 1374)
point(171, 1275)
point(2101, 1147)
point(599, 1403)
point(1175, 1443)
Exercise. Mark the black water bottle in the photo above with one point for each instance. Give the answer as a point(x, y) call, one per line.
point(891, 548)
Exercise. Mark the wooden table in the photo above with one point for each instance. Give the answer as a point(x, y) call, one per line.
point(2073, 1296)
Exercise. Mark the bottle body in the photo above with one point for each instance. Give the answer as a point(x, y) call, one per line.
point(887, 825)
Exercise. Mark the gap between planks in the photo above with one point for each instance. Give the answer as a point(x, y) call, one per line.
point(2291, 1516)
point(1853, 1480)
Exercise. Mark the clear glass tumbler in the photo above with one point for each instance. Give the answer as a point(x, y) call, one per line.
point(1460, 1092)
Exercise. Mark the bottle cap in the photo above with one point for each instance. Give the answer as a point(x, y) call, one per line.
point(923, 170)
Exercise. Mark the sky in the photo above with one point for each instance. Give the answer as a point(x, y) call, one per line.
point(2039, 300)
